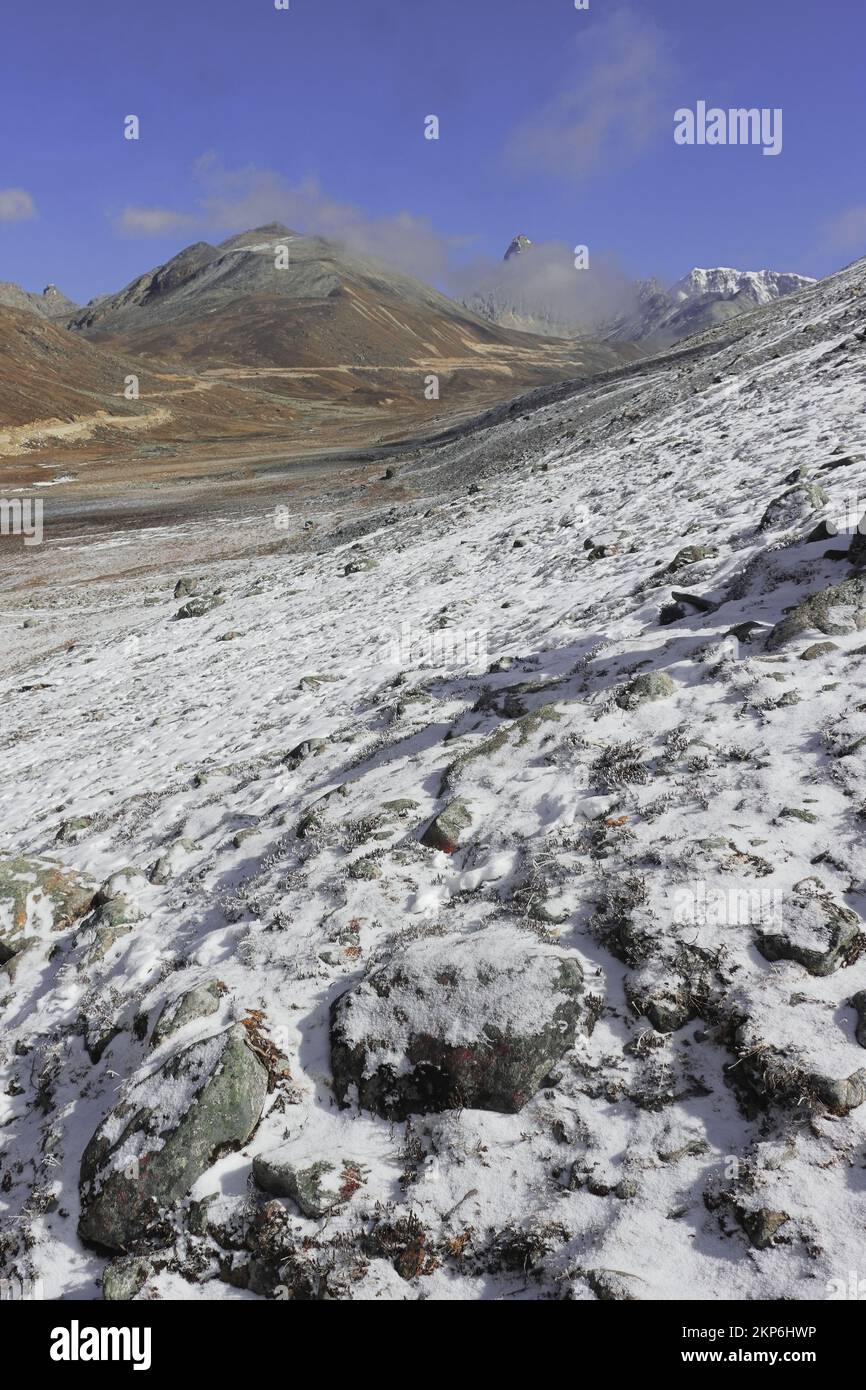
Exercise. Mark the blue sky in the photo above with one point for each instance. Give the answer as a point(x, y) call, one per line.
point(554, 122)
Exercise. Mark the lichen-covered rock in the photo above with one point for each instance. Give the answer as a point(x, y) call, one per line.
point(37, 898)
point(654, 685)
point(168, 1128)
point(836, 610)
point(115, 913)
point(199, 1002)
point(456, 1020)
point(760, 1224)
point(122, 1279)
point(446, 829)
point(690, 555)
point(199, 607)
point(817, 932)
point(317, 1186)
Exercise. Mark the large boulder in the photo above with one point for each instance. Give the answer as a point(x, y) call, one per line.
point(456, 1020)
point(167, 1130)
point(817, 932)
point(838, 609)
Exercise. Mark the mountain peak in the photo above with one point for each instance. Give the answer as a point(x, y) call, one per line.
point(519, 244)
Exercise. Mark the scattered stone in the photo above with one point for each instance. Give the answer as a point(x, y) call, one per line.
point(197, 1003)
point(817, 650)
point(317, 1188)
point(654, 685)
point(819, 933)
point(445, 830)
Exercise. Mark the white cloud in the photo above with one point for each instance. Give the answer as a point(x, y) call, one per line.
point(847, 232)
point(612, 108)
point(152, 221)
point(16, 205)
point(234, 200)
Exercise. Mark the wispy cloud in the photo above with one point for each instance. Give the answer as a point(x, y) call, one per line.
point(232, 200)
point(135, 221)
point(542, 285)
point(16, 205)
point(611, 109)
point(847, 232)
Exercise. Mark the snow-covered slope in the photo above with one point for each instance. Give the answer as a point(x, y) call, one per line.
point(532, 790)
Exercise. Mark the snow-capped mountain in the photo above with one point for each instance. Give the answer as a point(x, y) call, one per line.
point(761, 286)
point(698, 301)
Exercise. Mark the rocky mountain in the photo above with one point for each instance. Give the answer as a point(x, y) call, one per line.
point(51, 304)
point(232, 303)
point(268, 336)
point(500, 818)
point(46, 373)
point(518, 245)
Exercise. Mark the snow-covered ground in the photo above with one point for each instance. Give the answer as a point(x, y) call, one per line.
point(639, 791)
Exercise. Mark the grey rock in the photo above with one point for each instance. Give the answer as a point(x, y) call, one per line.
point(836, 610)
point(654, 685)
point(166, 1131)
point(316, 1187)
point(446, 829)
point(818, 933)
point(199, 1002)
point(454, 1021)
